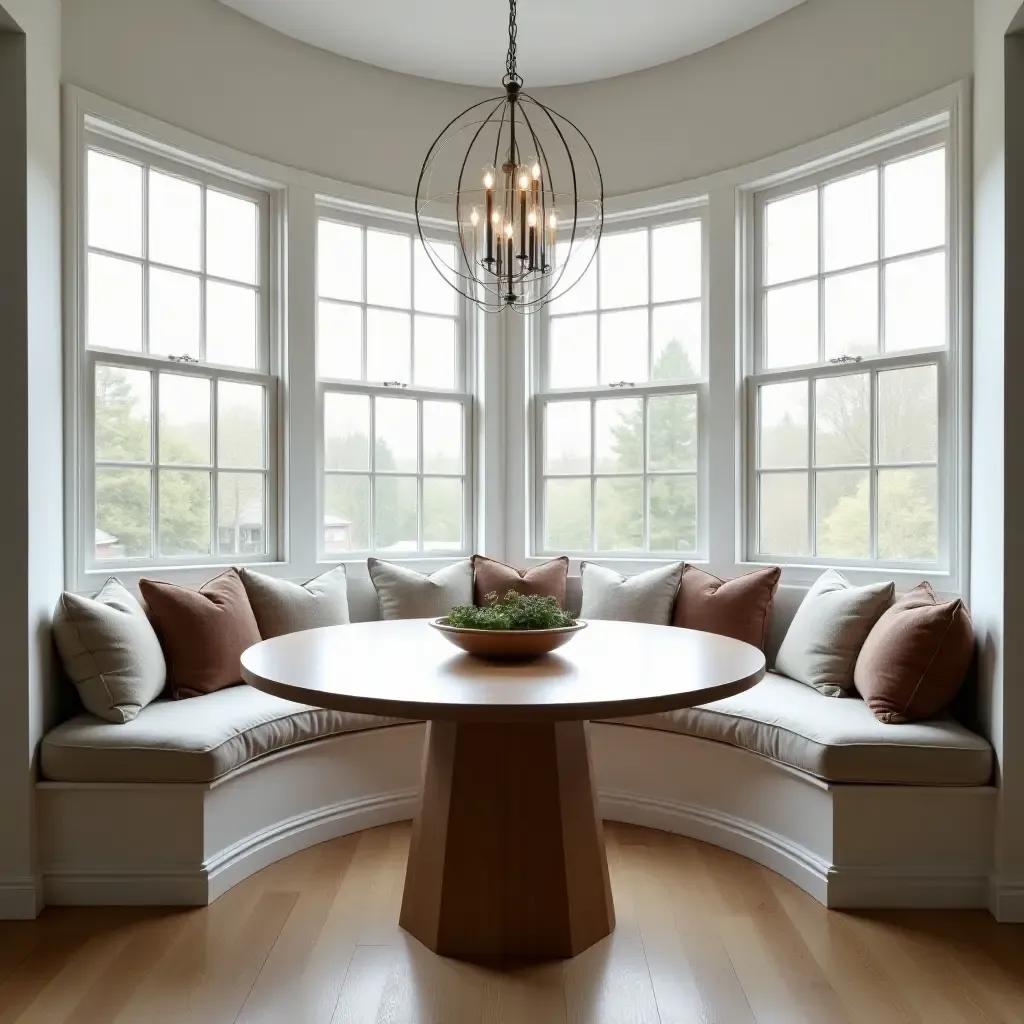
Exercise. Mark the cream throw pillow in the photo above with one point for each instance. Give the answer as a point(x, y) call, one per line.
point(648, 597)
point(281, 606)
point(828, 631)
point(110, 651)
point(407, 594)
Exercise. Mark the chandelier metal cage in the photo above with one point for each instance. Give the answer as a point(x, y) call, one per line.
point(527, 202)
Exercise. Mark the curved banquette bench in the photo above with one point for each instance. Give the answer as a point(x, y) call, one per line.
point(190, 797)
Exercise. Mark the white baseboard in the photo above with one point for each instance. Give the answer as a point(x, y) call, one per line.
point(839, 887)
point(1006, 900)
point(790, 860)
point(201, 884)
point(256, 852)
point(21, 899)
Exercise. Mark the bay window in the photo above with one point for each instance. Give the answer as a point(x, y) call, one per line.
point(766, 366)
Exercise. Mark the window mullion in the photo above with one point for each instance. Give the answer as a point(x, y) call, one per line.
point(645, 414)
point(371, 531)
point(873, 465)
point(154, 455)
point(812, 475)
point(820, 196)
point(420, 525)
point(881, 260)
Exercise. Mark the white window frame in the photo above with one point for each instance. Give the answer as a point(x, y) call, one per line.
point(695, 210)
point(946, 570)
point(106, 138)
point(378, 389)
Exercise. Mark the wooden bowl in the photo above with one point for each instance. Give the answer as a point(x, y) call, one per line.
point(508, 644)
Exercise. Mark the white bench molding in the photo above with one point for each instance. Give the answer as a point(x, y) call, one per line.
point(846, 845)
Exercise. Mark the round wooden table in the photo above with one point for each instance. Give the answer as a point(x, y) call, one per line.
point(507, 860)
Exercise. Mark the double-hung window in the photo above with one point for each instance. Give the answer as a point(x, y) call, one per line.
point(852, 398)
point(620, 390)
point(179, 400)
point(392, 387)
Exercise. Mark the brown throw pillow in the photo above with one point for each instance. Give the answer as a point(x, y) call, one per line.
point(740, 608)
point(916, 657)
point(203, 632)
point(547, 580)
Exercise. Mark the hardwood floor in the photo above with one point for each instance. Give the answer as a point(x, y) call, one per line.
point(702, 936)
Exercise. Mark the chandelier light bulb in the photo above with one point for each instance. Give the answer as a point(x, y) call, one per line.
point(532, 219)
point(508, 229)
point(489, 179)
point(474, 217)
point(496, 218)
point(524, 181)
point(553, 222)
point(536, 172)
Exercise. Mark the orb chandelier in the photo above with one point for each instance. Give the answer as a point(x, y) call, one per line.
point(523, 187)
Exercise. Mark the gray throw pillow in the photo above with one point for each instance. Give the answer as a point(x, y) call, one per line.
point(281, 606)
point(408, 594)
point(110, 651)
point(828, 631)
point(648, 597)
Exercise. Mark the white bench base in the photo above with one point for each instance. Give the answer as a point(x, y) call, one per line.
point(846, 845)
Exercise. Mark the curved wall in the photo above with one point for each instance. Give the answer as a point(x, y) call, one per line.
point(822, 66)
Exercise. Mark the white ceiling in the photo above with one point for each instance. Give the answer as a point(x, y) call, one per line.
point(559, 41)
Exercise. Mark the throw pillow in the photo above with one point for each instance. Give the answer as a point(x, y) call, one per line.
point(281, 606)
point(547, 580)
point(829, 628)
point(203, 632)
point(110, 651)
point(915, 659)
point(647, 597)
point(740, 608)
point(407, 594)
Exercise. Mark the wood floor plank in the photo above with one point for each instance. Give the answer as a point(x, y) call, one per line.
point(182, 975)
point(279, 988)
point(693, 977)
point(749, 886)
point(703, 937)
point(611, 981)
point(63, 933)
point(859, 979)
point(112, 987)
point(527, 995)
point(362, 906)
point(921, 976)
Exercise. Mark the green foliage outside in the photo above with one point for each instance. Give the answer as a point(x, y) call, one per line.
point(123, 494)
point(906, 501)
point(619, 501)
point(347, 497)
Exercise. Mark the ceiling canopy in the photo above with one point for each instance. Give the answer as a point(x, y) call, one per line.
point(560, 41)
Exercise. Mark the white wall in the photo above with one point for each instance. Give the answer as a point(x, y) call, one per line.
point(825, 65)
point(31, 529)
point(996, 553)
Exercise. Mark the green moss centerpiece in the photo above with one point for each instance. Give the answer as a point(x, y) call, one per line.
point(515, 626)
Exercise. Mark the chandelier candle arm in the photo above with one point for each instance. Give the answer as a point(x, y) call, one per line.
point(545, 239)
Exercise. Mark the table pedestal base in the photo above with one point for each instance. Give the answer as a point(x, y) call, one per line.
point(507, 861)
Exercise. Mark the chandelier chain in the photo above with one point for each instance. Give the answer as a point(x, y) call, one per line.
point(511, 74)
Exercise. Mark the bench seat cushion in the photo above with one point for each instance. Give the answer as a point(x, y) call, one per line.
point(838, 740)
point(195, 740)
